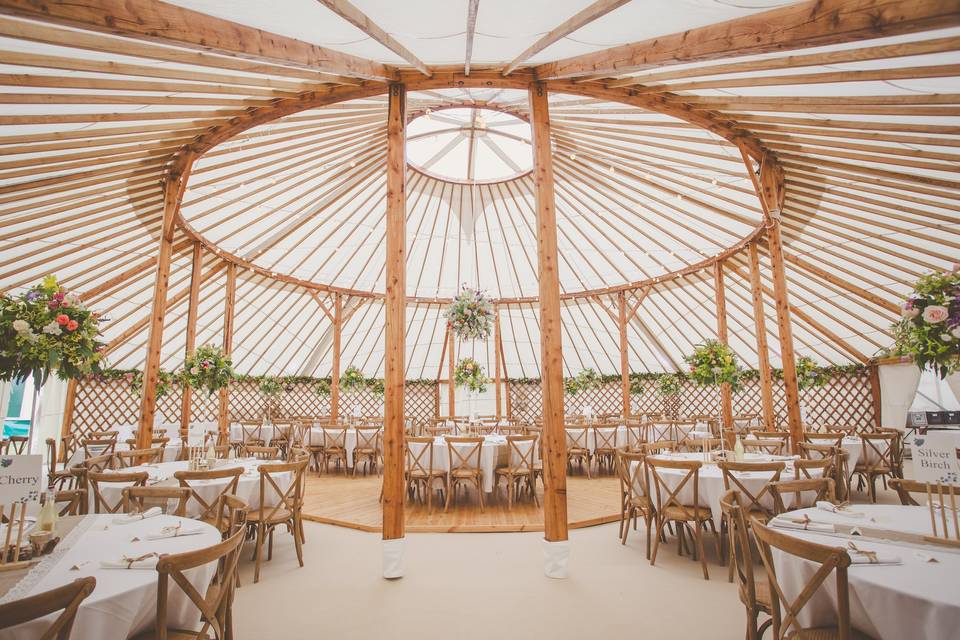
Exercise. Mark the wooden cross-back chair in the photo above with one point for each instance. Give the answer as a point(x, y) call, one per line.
point(103, 434)
point(785, 610)
point(97, 481)
point(419, 473)
point(157, 442)
point(578, 446)
point(896, 450)
point(282, 436)
point(635, 434)
point(832, 439)
point(68, 502)
point(657, 431)
point(57, 479)
point(231, 515)
point(876, 461)
point(521, 453)
point(671, 509)
point(300, 434)
point(214, 604)
point(464, 469)
point(605, 446)
point(634, 494)
point(660, 446)
point(805, 493)
point(754, 593)
point(682, 429)
point(278, 506)
point(751, 500)
point(207, 508)
point(93, 447)
point(66, 599)
point(334, 447)
point(773, 447)
point(261, 452)
point(804, 469)
point(137, 457)
point(844, 429)
point(15, 445)
point(139, 499)
point(367, 449)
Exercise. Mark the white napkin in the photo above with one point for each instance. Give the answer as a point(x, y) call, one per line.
point(146, 561)
point(130, 518)
point(865, 556)
point(842, 510)
point(175, 531)
point(805, 524)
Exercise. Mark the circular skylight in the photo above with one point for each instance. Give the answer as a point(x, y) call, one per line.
point(466, 144)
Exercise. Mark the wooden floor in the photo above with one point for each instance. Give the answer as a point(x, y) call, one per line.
point(354, 503)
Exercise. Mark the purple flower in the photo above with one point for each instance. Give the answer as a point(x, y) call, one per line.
point(31, 296)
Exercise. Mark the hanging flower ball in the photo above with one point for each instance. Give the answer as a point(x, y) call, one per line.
point(470, 315)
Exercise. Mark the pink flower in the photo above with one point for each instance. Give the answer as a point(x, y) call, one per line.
point(53, 304)
point(908, 311)
point(65, 304)
point(934, 314)
point(63, 318)
point(72, 325)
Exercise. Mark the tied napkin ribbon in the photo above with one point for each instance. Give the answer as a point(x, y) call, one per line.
point(804, 521)
point(130, 561)
point(871, 556)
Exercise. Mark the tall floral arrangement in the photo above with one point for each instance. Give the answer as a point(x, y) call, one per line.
point(46, 329)
point(714, 363)
point(270, 387)
point(322, 387)
point(165, 381)
point(669, 385)
point(469, 374)
point(207, 368)
point(352, 380)
point(929, 329)
point(809, 375)
point(470, 315)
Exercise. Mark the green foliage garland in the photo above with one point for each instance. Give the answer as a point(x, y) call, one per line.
point(270, 387)
point(809, 375)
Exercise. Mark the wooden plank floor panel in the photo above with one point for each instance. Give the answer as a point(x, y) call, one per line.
point(354, 502)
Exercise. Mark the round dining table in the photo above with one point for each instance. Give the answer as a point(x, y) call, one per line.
point(162, 474)
point(910, 593)
point(124, 601)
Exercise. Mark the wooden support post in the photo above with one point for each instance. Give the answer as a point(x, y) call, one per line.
point(763, 353)
point(875, 395)
point(173, 188)
point(228, 306)
point(624, 362)
point(451, 364)
point(726, 403)
point(554, 437)
point(395, 321)
point(335, 369)
point(496, 358)
point(186, 400)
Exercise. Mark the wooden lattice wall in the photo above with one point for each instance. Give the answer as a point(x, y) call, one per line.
point(846, 399)
point(104, 403)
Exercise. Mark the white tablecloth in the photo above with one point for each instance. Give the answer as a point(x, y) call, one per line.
point(494, 452)
point(620, 439)
point(711, 488)
point(124, 602)
point(248, 487)
point(916, 599)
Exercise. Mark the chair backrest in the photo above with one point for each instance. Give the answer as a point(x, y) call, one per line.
point(368, 438)
point(668, 491)
point(136, 457)
point(804, 469)
point(682, 429)
point(300, 434)
point(740, 548)
point(171, 500)
point(632, 471)
point(751, 500)
point(281, 431)
point(652, 448)
point(97, 481)
point(207, 509)
point(941, 499)
point(702, 445)
point(878, 450)
point(805, 493)
point(231, 514)
point(636, 436)
point(66, 599)
point(93, 447)
point(522, 453)
point(103, 435)
point(99, 463)
point(251, 432)
point(215, 603)
point(577, 437)
point(334, 437)
point(772, 447)
point(812, 451)
point(69, 502)
point(832, 439)
point(51, 456)
point(845, 429)
point(419, 456)
point(262, 453)
point(271, 492)
point(464, 453)
point(830, 559)
point(657, 431)
point(605, 437)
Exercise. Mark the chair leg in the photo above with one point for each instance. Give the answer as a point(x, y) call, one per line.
point(257, 552)
point(656, 542)
point(480, 492)
point(297, 524)
point(446, 506)
point(698, 534)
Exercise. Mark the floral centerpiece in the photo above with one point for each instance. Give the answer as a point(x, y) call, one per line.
point(714, 363)
point(470, 315)
point(669, 385)
point(352, 380)
point(270, 387)
point(46, 329)
point(322, 387)
point(809, 375)
point(207, 368)
point(930, 326)
point(165, 381)
point(469, 374)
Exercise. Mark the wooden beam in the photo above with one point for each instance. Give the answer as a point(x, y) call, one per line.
point(814, 23)
point(360, 20)
point(173, 188)
point(763, 353)
point(551, 348)
point(395, 317)
point(69, 406)
point(497, 359)
point(624, 361)
point(875, 395)
point(186, 401)
point(451, 364)
point(726, 402)
point(842, 283)
point(472, 7)
point(229, 305)
point(335, 368)
point(583, 17)
point(506, 377)
point(172, 25)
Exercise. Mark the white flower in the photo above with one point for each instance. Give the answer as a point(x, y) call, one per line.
point(946, 337)
point(909, 313)
point(21, 326)
point(53, 329)
point(935, 314)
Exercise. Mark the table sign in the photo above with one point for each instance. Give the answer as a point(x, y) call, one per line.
point(21, 478)
point(936, 457)
point(196, 435)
